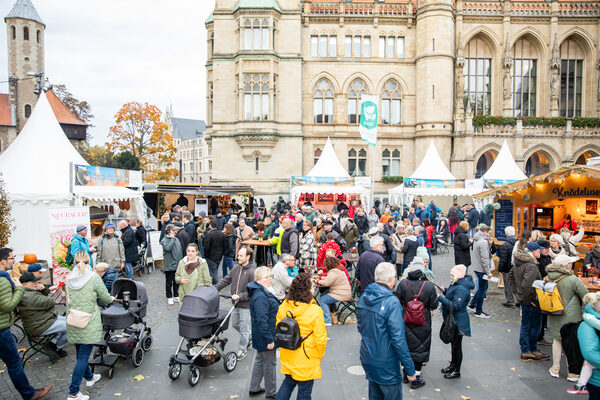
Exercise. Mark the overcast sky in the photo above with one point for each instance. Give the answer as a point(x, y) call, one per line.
point(110, 52)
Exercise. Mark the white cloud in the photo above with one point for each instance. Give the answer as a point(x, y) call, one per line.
point(111, 52)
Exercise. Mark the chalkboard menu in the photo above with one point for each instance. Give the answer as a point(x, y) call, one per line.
point(156, 250)
point(503, 218)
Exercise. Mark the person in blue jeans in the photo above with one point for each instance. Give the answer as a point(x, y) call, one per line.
point(229, 249)
point(521, 278)
point(480, 260)
point(11, 292)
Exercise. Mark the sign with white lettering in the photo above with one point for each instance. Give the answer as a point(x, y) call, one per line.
point(63, 222)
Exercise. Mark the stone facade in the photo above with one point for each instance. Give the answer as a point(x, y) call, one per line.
point(424, 54)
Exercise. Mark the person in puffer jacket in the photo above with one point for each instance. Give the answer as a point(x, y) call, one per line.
point(589, 343)
point(383, 345)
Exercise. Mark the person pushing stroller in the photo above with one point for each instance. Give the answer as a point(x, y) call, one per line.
point(239, 277)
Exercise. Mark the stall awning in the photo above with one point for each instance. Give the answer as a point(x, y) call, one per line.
point(106, 193)
point(364, 193)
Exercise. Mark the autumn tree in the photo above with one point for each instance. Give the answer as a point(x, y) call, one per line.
point(6, 222)
point(80, 108)
point(126, 160)
point(99, 156)
point(140, 130)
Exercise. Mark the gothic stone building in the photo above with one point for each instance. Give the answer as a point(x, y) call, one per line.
point(283, 75)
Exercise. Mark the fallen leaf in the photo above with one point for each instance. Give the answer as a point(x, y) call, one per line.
point(465, 398)
point(138, 378)
point(117, 394)
point(1, 371)
point(508, 330)
point(234, 396)
point(436, 389)
point(513, 369)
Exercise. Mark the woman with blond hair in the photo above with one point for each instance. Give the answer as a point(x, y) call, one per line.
point(84, 288)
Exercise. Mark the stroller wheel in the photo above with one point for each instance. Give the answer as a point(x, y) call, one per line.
point(174, 370)
point(194, 376)
point(147, 343)
point(137, 357)
point(230, 361)
point(111, 373)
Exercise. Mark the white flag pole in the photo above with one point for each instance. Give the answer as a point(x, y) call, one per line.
point(368, 119)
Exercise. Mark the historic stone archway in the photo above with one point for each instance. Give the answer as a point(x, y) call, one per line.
point(538, 163)
point(484, 162)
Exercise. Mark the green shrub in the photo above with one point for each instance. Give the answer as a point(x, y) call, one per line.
point(392, 179)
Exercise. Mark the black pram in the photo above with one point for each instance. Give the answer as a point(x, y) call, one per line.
point(125, 332)
point(200, 326)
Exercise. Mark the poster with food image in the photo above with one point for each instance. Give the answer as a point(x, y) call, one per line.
point(63, 222)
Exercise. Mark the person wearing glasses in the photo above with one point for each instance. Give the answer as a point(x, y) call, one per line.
point(263, 310)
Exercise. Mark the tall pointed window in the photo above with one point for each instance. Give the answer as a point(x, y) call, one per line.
point(357, 162)
point(390, 162)
point(323, 102)
point(524, 78)
point(571, 73)
point(390, 103)
point(256, 97)
point(356, 90)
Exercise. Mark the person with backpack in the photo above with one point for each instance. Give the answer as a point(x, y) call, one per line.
point(571, 291)
point(457, 296)
point(303, 347)
point(505, 264)
point(419, 299)
point(383, 344)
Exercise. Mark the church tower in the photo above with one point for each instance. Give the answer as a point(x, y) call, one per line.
point(25, 36)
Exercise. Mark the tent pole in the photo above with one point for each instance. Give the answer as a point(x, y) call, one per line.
point(372, 199)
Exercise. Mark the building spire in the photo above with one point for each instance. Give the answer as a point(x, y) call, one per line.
point(24, 9)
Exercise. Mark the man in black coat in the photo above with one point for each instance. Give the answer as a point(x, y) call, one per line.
point(140, 232)
point(361, 221)
point(214, 246)
point(368, 261)
point(130, 245)
point(418, 337)
point(505, 264)
point(182, 236)
point(190, 227)
point(462, 245)
point(473, 219)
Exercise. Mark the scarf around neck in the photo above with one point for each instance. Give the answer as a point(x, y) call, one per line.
point(190, 267)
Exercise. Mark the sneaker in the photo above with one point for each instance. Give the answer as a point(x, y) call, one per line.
point(578, 389)
point(471, 308)
point(327, 324)
point(241, 355)
point(258, 392)
point(417, 383)
point(540, 356)
point(94, 379)
point(508, 305)
point(483, 315)
point(176, 299)
point(572, 377)
point(79, 396)
point(554, 372)
point(528, 357)
point(170, 301)
point(249, 344)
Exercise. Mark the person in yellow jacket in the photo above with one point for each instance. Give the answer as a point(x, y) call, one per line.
point(303, 365)
point(276, 240)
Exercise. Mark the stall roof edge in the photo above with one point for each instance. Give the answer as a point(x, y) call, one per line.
point(207, 190)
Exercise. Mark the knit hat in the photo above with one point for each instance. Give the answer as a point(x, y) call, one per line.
point(29, 277)
point(373, 231)
point(422, 253)
point(108, 226)
point(417, 264)
point(202, 213)
point(81, 228)
point(533, 246)
point(544, 243)
point(458, 271)
point(35, 268)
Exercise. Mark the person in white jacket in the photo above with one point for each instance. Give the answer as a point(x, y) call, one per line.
point(283, 273)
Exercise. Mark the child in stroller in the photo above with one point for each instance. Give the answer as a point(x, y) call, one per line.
point(125, 332)
point(201, 324)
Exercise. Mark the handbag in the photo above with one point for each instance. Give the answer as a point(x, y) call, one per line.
point(76, 318)
point(448, 330)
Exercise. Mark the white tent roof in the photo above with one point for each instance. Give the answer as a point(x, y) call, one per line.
point(432, 166)
point(328, 164)
point(504, 167)
point(35, 167)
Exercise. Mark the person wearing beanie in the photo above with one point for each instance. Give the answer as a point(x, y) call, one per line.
point(521, 278)
point(462, 245)
point(458, 294)
point(81, 242)
point(422, 252)
point(418, 337)
point(110, 249)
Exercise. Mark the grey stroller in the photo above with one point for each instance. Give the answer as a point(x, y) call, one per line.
point(201, 324)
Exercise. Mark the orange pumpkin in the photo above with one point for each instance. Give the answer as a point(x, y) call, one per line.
point(30, 259)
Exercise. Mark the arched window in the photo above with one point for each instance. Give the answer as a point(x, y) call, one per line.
point(485, 162)
point(357, 162)
point(524, 78)
point(38, 36)
point(390, 103)
point(390, 162)
point(323, 102)
point(357, 88)
point(256, 34)
point(27, 110)
point(571, 73)
point(316, 155)
point(256, 97)
point(13, 32)
point(583, 158)
point(25, 33)
point(477, 72)
point(537, 164)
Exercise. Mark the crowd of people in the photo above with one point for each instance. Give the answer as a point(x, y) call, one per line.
point(309, 274)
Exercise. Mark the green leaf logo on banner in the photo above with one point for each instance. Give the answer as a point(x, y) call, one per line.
point(368, 115)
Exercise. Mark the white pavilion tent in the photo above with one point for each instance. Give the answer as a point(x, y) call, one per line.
point(504, 170)
point(328, 176)
point(36, 171)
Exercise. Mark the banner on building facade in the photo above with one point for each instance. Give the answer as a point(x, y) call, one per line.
point(89, 175)
point(63, 223)
point(369, 112)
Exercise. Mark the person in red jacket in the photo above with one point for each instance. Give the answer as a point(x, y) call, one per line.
point(566, 223)
point(330, 243)
point(429, 232)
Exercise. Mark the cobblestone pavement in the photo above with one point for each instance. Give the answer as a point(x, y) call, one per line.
point(491, 367)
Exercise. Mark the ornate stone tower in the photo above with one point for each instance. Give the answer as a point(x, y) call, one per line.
point(434, 59)
point(25, 36)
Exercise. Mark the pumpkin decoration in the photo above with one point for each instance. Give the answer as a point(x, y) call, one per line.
point(30, 259)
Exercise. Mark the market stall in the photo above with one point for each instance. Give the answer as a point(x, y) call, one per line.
point(431, 179)
point(327, 183)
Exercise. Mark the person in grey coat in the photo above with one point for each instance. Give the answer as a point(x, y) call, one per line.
point(110, 249)
point(480, 260)
point(172, 255)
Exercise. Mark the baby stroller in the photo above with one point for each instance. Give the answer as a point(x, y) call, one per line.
point(200, 326)
point(125, 332)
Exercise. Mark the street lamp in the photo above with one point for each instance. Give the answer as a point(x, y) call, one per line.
point(180, 170)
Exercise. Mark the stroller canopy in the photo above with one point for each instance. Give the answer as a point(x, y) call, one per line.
point(137, 290)
point(202, 303)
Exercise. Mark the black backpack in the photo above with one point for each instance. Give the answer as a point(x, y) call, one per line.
point(448, 331)
point(287, 334)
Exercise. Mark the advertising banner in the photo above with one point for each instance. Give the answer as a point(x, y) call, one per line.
point(88, 175)
point(63, 223)
point(369, 111)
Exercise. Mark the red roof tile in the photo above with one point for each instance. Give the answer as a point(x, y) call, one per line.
point(62, 113)
point(5, 114)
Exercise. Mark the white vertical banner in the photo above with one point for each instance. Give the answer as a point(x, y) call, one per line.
point(63, 222)
point(369, 113)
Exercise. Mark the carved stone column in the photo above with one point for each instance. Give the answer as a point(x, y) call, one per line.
point(554, 78)
point(507, 62)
